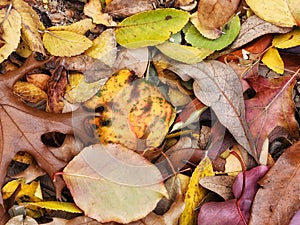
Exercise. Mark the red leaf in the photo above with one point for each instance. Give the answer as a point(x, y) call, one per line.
point(272, 106)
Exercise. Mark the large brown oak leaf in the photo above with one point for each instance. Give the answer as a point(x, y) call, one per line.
point(272, 106)
point(21, 128)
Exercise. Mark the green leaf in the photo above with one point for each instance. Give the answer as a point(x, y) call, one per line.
point(231, 31)
point(182, 53)
point(151, 27)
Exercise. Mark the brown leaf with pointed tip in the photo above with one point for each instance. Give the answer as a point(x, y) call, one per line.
point(278, 199)
point(213, 14)
point(22, 127)
point(218, 86)
point(272, 106)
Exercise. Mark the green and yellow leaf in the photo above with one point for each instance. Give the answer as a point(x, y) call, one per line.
point(183, 53)
point(80, 91)
point(65, 43)
point(151, 27)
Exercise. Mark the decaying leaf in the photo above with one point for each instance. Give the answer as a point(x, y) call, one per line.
point(65, 43)
point(135, 113)
point(127, 187)
point(218, 86)
point(104, 48)
point(31, 25)
point(11, 32)
point(279, 12)
point(272, 106)
point(195, 192)
point(229, 32)
point(277, 200)
point(150, 28)
point(212, 15)
point(125, 8)
point(255, 27)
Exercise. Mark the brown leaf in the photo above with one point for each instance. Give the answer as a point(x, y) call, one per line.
point(218, 86)
point(255, 27)
point(56, 89)
point(272, 106)
point(125, 8)
point(213, 14)
point(22, 127)
point(221, 185)
point(278, 199)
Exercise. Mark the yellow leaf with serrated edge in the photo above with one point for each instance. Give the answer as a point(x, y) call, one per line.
point(288, 40)
point(78, 90)
point(31, 25)
point(28, 192)
point(195, 192)
point(11, 32)
point(104, 48)
point(80, 27)
point(54, 205)
point(273, 60)
point(93, 9)
point(29, 92)
point(65, 43)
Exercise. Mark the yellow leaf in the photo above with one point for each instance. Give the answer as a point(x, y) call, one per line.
point(54, 205)
point(182, 53)
point(276, 11)
point(78, 90)
point(11, 32)
point(195, 192)
point(28, 192)
point(31, 25)
point(23, 50)
point(104, 48)
point(93, 9)
point(80, 27)
point(29, 92)
point(273, 60)
point(287, 40)
point(65, 43)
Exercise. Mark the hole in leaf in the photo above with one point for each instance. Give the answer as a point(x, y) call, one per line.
point(53, 139)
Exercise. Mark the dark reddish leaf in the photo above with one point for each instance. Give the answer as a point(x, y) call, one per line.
point(278, 199)
point(244, 189)
point(272, 106)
